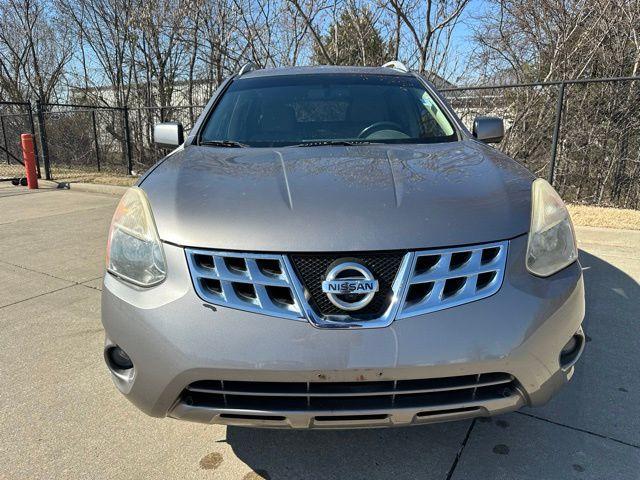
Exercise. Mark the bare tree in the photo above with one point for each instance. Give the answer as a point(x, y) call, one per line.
point(34, 51)
point(159, 25)
point(558, 39)
point(220, 48)
point(309, 10)
point(428, 24)
point(107, 28)
point(598, 160)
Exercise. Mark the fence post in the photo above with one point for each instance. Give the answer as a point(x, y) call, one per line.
point(127, 139)
point(42, 131)
point(95, 138)
point(32, 128)
point(556, 133)
point(4, 137)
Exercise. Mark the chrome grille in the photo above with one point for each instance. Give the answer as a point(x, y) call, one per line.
point(426, 281)
point(446, 278)
point(347, 396)
point(246, 281)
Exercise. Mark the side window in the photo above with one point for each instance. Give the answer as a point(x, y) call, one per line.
point(434, 122)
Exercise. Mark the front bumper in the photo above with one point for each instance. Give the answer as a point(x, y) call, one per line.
point(174, 340)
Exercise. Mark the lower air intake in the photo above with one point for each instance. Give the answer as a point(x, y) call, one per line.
point(334, 397)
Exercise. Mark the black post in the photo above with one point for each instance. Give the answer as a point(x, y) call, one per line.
point(127, 139)
point(95, 138)
point(32, 128)
point(43, 140)
point(4, 137)
point(556, 133)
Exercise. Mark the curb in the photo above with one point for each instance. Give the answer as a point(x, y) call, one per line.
point(85, 187)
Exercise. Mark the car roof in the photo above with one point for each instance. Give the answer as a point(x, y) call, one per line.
point(323, 69)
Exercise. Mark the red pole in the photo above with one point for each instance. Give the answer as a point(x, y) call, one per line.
point(29, 157)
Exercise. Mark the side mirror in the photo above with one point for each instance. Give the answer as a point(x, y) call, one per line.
point(488, 129)
point(168, 135)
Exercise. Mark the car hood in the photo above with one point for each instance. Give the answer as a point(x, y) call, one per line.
point(339, 198)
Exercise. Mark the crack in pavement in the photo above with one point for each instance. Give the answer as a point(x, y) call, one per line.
point(89, 286)
point(51, 215)
point(459, 453)
point(39, 295)
point(578, 429)
point(49, 274)
point(73, 283)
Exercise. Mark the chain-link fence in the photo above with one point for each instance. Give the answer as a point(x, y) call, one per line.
point(84, 140)
point(584, 135)
point(15, 119)
point(598, 146)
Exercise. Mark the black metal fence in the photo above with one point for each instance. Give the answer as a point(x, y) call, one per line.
point(84, 138)
point(15, 118)
point(583, 135)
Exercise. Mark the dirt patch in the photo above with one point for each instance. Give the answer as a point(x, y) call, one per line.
point(501, 449)
point(211, 461)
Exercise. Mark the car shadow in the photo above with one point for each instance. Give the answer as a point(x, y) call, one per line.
point(425, 451)
point(604, 394)
point(612, 296)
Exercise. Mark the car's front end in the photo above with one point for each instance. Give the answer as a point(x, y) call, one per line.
point(342, 285)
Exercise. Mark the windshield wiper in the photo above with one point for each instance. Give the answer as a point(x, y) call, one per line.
point(320, 143)
point(223, 143)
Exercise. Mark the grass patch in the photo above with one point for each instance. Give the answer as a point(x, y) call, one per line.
point(78, 175)
point(112, 180)
point(606, 217)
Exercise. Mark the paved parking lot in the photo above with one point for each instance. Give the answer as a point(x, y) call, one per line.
point(60, 416)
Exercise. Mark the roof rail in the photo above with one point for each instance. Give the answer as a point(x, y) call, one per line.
point(246, 68)
point(396, 65)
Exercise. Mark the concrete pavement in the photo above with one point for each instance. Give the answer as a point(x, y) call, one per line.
point(60, 416)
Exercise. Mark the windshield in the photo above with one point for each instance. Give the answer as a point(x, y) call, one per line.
point(287, 110)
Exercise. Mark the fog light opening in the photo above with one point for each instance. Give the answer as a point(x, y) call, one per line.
point(118, 359)
point(571, 351)
point(569, 347)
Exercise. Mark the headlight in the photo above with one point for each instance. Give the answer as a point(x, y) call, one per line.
point(552, 244)
point(134, 251)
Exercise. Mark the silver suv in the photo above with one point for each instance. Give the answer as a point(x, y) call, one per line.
point(331, 247)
